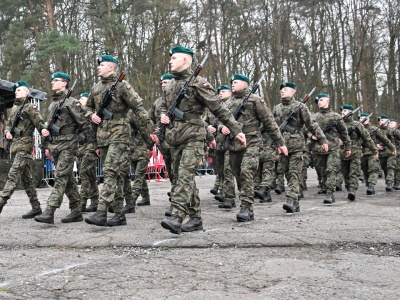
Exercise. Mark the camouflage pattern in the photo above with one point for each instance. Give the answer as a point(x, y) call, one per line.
point(186, 138)
point(31, 118)
point(266, 169)
point(387, 160)
point(295, 142)
point(351, 166)
point(370, 169)
point(328, 167)
point(244, 161)
point(396, 135)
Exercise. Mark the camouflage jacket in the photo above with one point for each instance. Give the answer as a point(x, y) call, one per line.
point(200, 95)
point(379, 137)
point(87, 137)
point(396, 134)
point(71, 121)
point(392, 136)
point(154, 114)
point(140, 138)
point(325, 117)
point(117, 129)
point(359, 138)
point(31, 118)
point(255, 114)
point(295, 142)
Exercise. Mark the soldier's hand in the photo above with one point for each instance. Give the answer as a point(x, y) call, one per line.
point(164, 119)
point(225, 130)
point(394, 153)
point(376, 156)
point(154, 137)
point(9, 136)
point(212, 144)
point(45, 132)
point(47, 153)
point(348, 153)
point(96, 119)
point(284, 150)
point(325, 147)
point(379, 147)
point(314, 138)
point(211, 129)
point(340, 142)
point(97, 152)
point(241, 137)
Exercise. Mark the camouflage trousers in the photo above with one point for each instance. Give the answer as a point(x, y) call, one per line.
point(306, 163)
point(185, 198)
point(351, 170)
point(244, 165)
point(225, 175)
point(266, 170)
point(140, 186)
point(388, 165)
point(397, 170)
point(328, 166)
point(87, 173)
point(292, 165)
point(65, 183)
point(370, 169)
point(116, 160)
point(20, 170)
point(280, 173)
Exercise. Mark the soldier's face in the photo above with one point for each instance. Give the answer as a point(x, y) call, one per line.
point(366, 120)
point(105, 68)
point(179, 62)
point(239, 85)
point(21, 92)
point(164, 83)
point(58, 84)
point(224, 94)
point(323, 102)
point(83, 101)
point(345, 111)
point(382, 121)
point(287, 92)
point(393, 124)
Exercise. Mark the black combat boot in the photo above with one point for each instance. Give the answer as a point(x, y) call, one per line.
point(245, 214)
point(351, 196)
point(169, 194)
point(35, 211)
point(301, 194)
point(279, 189)
point(396, 186)
point(143, 202)
point(338, 188)
point(117, 220)
point(371, 190)
point(329, 198)
point(129, 208)
point(74, 216)
point(193, 224)
point(168, 213)
point(173, 224)
point(389, 187)
point(214, 190)
point(47, 216)
point(219, 198)
point(291, 206)
point(83, 208)
point(227, 204)
point(92, 207)
point(110, 209)
point(1, 207)
point(263, 195)
point(99, 218)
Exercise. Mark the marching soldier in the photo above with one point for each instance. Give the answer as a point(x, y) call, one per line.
point(395, 132)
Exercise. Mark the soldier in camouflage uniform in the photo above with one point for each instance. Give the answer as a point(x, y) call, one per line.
point(154, 114)
point(395, 132)
point(295, 141)
point(63, 147)
point(187, 136)
point(387, 157)
point(113, 136)
point(328, 163)
point(87, 158)
point(351, 165)
point(21, 147)
point(244, 160)
point(221, 157)
point(369, 160)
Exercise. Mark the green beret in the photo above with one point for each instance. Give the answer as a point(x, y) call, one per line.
point(392, 120)
point(166, 76)
point(383, 117)
point(181, 49)
point(20, 83)
point(61, 75)
point(363, 115)
point(240, 77)
point(84, 95)
point(107, 57)
point(347, 106)
point(288, 84)
point(223, 87)
point(319, 96)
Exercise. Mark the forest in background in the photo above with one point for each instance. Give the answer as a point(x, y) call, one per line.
point(346, 48)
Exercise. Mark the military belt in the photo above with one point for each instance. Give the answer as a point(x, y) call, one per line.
point(65, 131)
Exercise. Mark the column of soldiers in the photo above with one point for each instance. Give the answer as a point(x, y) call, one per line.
point(257, 147)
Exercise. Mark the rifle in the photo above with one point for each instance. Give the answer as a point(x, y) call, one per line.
point(379, 127)
point(240, 110)
point(173, 111)
point(285, 124)
point(333, 124)
point(103, 112)
point(15, 132)
point(354, 127)
point(52, 127)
